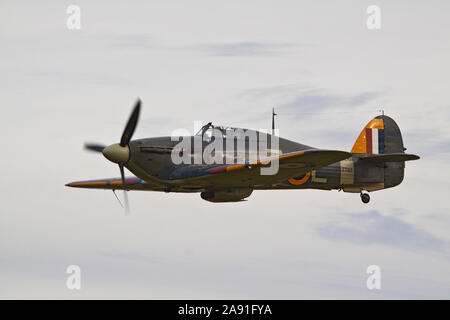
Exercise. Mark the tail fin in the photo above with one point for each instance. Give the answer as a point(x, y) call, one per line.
point(381, 141)
point(380, 136)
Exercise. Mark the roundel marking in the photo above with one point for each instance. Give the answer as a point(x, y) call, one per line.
point(297, 182)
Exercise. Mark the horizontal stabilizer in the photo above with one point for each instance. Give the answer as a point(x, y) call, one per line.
point(390, 157)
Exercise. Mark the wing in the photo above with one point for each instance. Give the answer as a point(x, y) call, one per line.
point(132, 183)
point(192, 178)
point(250, 174)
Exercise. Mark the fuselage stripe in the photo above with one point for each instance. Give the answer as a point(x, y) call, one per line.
point(381, 141)
point(368, 140)
point(375, 141)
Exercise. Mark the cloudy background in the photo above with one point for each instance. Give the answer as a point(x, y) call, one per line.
point(228, 62)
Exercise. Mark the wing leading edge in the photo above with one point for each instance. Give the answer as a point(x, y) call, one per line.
point(234, 175)
point(109, 183)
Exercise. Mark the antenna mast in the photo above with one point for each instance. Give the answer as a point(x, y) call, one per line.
point(273, 120)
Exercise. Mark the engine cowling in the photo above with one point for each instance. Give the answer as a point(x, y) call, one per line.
point(229, 195)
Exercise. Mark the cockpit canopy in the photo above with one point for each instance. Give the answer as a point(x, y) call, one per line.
point(209, 130)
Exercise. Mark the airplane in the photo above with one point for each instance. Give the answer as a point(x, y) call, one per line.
point(376, 162)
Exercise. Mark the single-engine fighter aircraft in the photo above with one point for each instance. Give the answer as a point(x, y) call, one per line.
point(376, 162)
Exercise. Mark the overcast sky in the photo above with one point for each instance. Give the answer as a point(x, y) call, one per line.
point(228, 62)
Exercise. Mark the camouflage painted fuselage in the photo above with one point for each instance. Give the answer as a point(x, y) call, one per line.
point(376, 162)
point(152, 157)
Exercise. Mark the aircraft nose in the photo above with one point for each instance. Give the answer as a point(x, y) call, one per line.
point(116, 153)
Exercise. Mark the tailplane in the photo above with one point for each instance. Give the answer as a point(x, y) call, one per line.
point(390, 157)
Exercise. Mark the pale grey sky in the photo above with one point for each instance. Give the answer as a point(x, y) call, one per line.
point(228, 62)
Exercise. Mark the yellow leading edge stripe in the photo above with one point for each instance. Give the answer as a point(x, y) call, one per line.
point(88, 184)
point(114, 183)
point(262, 162)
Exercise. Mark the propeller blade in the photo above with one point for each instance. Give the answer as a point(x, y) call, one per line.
point(127, 204)
point(120, 153)
point(94, 147)
point(124, 185)
point(131, 125)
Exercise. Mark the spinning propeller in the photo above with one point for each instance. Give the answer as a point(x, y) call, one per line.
point(120, 152)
